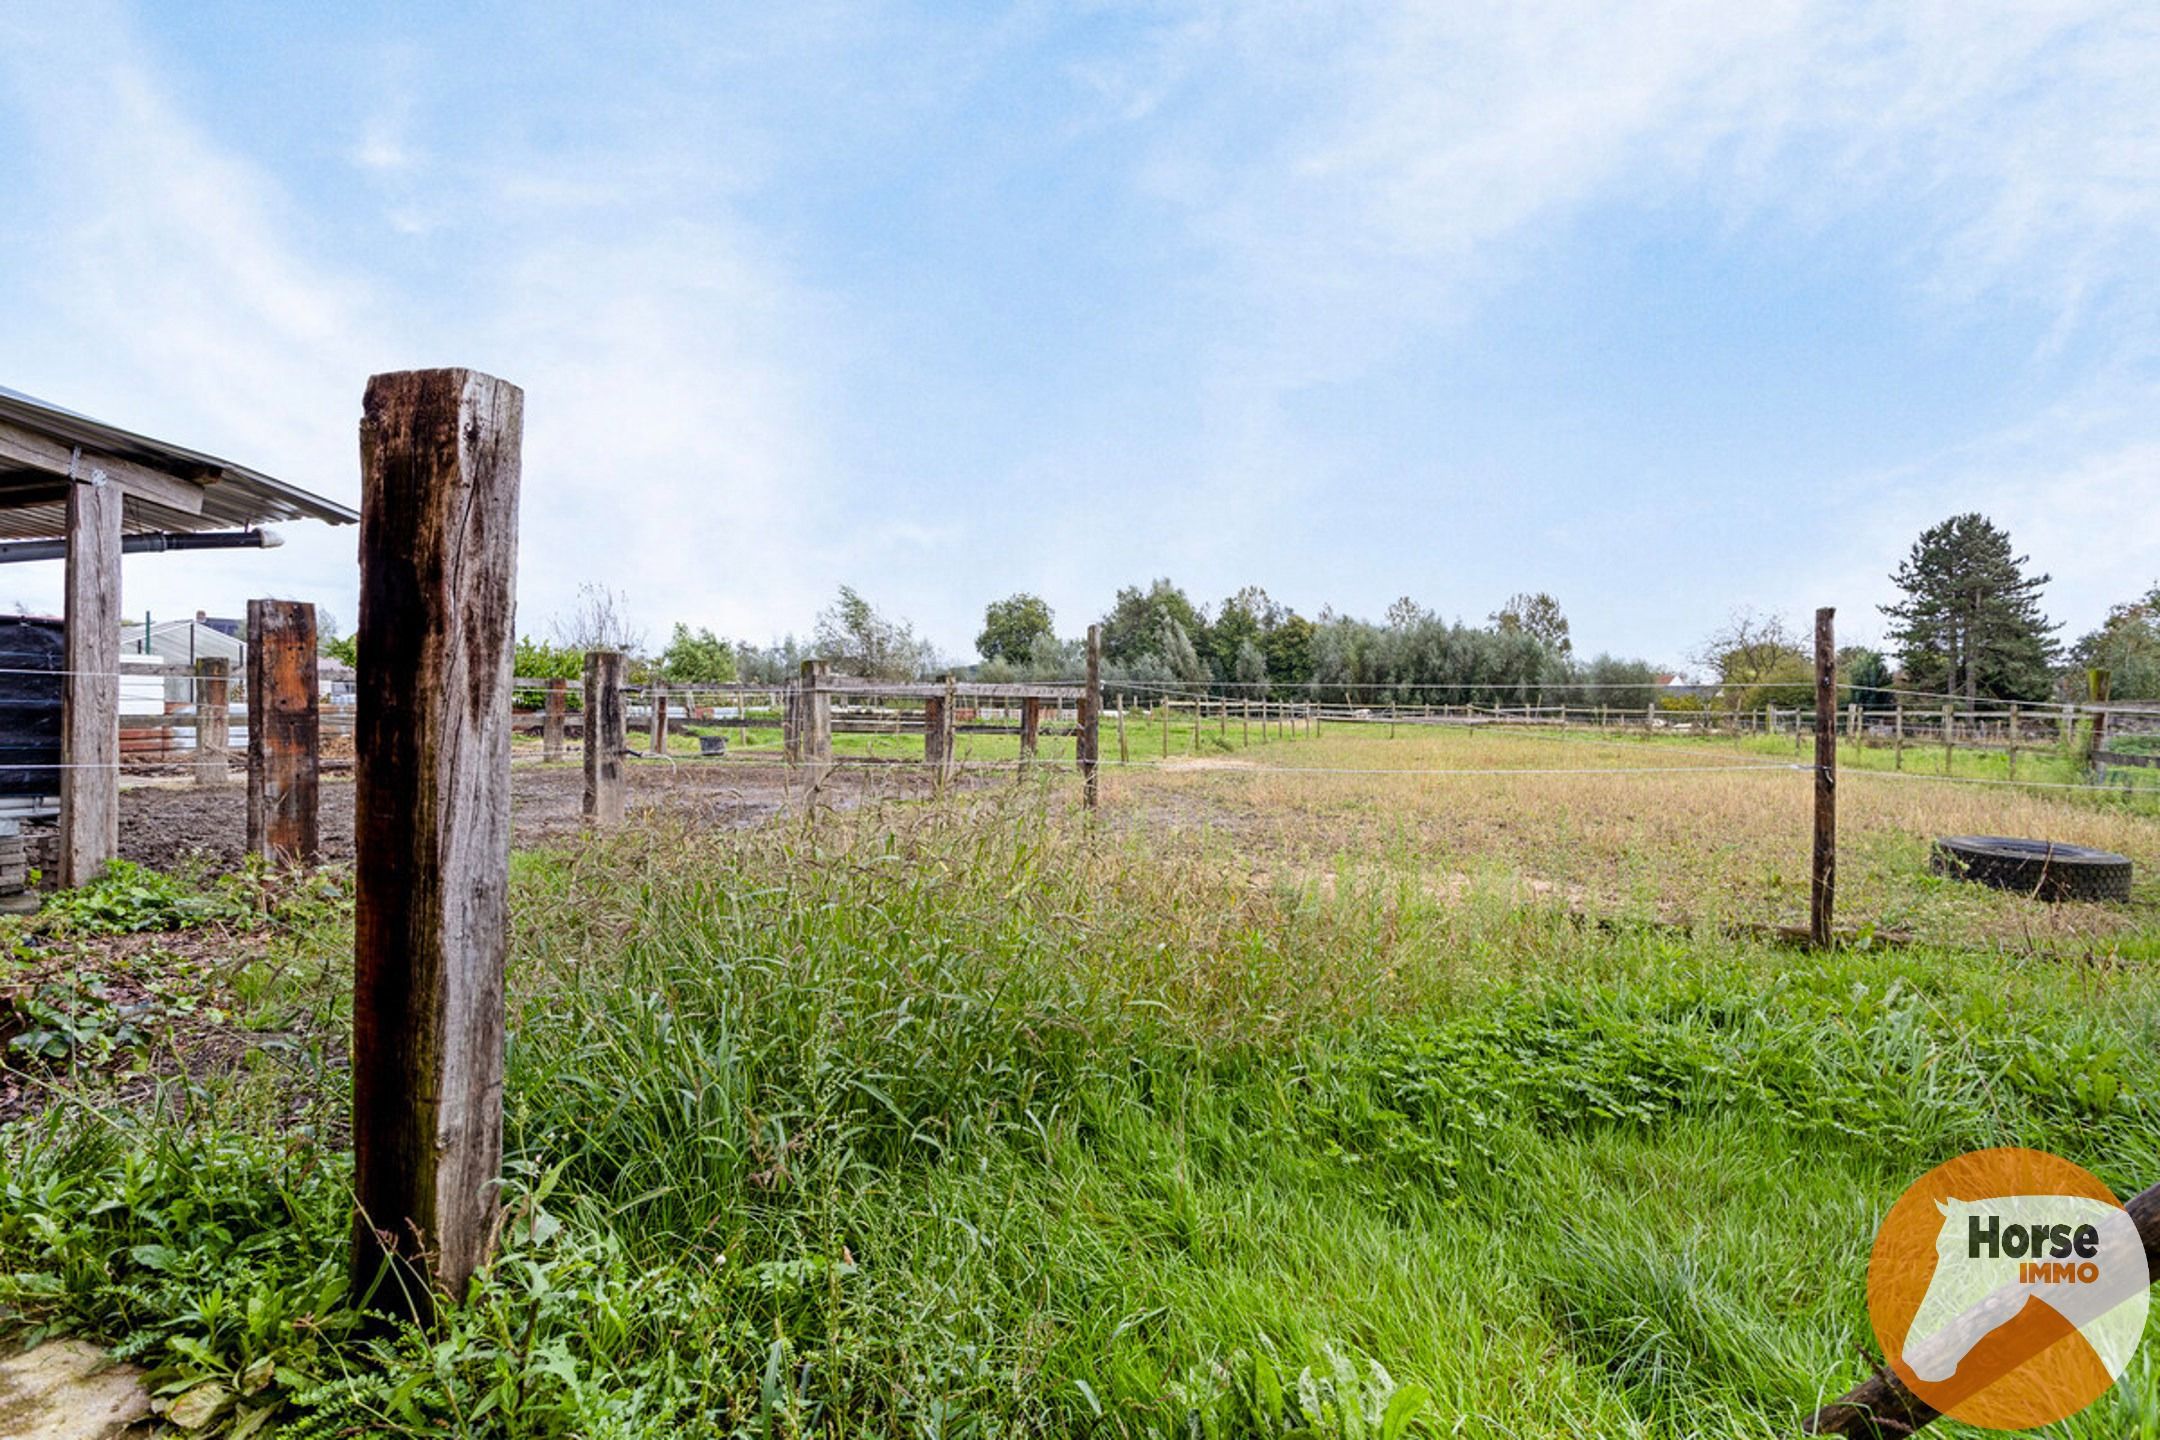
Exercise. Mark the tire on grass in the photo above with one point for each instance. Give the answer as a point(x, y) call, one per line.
point(2043, 869)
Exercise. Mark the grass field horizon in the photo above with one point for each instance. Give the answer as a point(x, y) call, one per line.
point(1345, 1086)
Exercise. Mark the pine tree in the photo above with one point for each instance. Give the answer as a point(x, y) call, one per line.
point(1971, 620)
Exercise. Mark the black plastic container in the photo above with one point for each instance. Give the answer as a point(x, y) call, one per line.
point(31, 659)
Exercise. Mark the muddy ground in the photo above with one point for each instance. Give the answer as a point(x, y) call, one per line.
point(177, 824)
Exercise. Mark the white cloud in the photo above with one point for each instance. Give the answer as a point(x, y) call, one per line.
point(1385, 164)
point(670, 448)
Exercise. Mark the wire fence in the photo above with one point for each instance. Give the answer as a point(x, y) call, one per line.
point(167, 709)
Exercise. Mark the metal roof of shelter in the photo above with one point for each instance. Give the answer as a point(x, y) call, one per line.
point(170, 488)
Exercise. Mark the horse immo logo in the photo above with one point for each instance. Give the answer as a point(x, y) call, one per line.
point(2008, 1288)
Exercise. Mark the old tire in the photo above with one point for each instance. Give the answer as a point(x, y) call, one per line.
point(2043, 869)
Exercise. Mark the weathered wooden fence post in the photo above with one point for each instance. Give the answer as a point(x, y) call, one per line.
point(1089, 744)
point(791, 726)
point(213, 719)
point(607, 735)
point(1030, 728)
point(1897, 741)
point(936, 735)
point(659, 719)
point(439, 459)
point(1822, 889)
point(814, 722)
point(552, 726)
point(284, 710)
point(2097, 683)
point(950, 747)
point(2012, 736)
point(1949, 729)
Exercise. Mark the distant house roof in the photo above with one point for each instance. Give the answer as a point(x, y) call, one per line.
point(169, 488)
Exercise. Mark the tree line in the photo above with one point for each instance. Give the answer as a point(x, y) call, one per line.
point(1968, 623)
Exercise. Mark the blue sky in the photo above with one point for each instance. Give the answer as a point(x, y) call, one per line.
point(1667, 309)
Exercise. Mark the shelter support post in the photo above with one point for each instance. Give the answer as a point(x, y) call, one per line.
point(90, 695)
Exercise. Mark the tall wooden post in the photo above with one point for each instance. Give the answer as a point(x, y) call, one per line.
point(659, 719)
point(1897, 741)
point(1196, 708)
point(2011, 734)
point(2097, 682)
point(1089, 746)
point(213, 719)
point(284, 709)
point(551, 727)
point(1124, 754)
point(90, 693)
point(936, 734)
point(1030, 728)
point(439, 460)
point(607, 735)
point(1822, 889)
point(814, 721)
point(1949, 729)
point(949, 747)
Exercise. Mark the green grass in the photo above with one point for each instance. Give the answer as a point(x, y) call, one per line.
point(980, 1120)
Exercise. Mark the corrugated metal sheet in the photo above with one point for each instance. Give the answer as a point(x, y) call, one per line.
point(33, 504)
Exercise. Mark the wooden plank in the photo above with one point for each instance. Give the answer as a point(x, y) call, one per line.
point(1822, 883)
point(440, 456)
point(848, 685)
point(213, 719)
point(284, 733)
point(607, 736)
point(31, 450)
point(90, 692)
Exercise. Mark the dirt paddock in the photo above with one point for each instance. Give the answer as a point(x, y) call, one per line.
point(176, 823)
